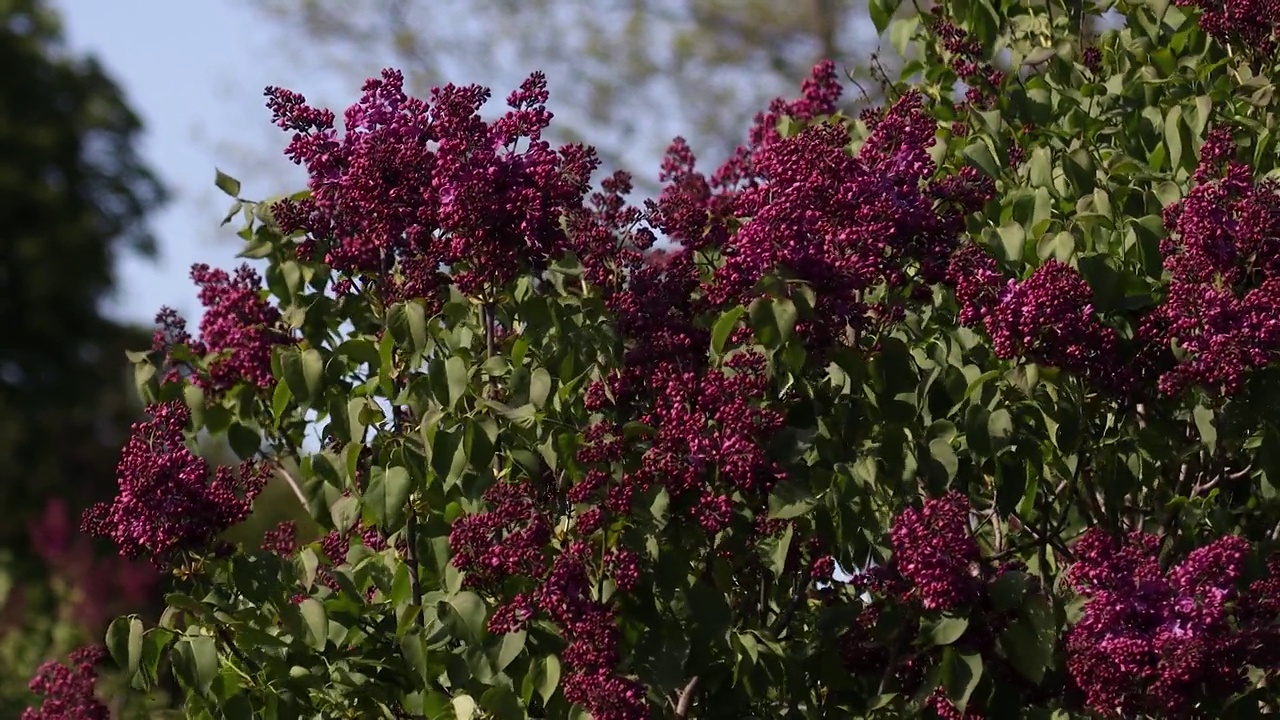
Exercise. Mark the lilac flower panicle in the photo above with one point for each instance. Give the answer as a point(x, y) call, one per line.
point(1158, 642)
point(170, 500)
point(68, 690)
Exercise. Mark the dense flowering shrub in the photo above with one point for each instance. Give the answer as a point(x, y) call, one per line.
point(957, 406)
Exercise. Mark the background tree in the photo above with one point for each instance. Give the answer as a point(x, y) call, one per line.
point(74, 195)
point(627, 75)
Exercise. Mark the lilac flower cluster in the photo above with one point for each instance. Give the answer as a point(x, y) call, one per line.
point(1047, 318)
point(170, 501)
point(934, 552)
point(982, 78)
point(1158, 642)
point(282, 539)
point(936, 567)
point(1223, 304)
point(509, 539)
point(68, 690)
point(485, 199)
point(239, 328)
point(1250, 25)
point(847, 224)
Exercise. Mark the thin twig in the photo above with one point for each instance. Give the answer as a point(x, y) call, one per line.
point(1046, 538)
point(796, 601)
point(290, 480)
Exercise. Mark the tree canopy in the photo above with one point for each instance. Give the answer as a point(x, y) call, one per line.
point(74, 196)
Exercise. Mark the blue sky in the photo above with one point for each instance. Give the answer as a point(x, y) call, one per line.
point(195, 72)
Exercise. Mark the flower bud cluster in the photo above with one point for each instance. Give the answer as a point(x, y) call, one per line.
point(1155, 641)
point(483, 198)
point(936, 568)
point(1223, 306)
point(1250, 25)
point(983, 79)
point(170, 500)
point(1048, 318)
point(239, 329)
point(68, 690)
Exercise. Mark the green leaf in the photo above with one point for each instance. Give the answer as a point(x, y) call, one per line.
point(195, 660)
point(1042, 210)
point(790, 500)
point(1059, 246)
point(388, 495)
point(1204, 110)
point(154, 643)
point(194, 397)
point(978, 152)
point(946, 629)
point(1029, 639)
point(280, 398)
point(1008, 590)
point(1080, 170)
point(361, 351)
point(226, 183)
point(470, 607)
point(309, 565)
point(550, 678)
point(773, 319)
point(456, 372)
point(1173, 137)
point(464, 707)
point(502, 703)
point(1168, 193)
point(961, 673)
point(724, 326)
point(539, 387)
point(386, 354)
point(344, 512)
point(1013, 236)
point(512, 646)
point(1000, 428)
point(1041, 167)
point(882, 11)
point(902, 32)
point(124, 642)
point(942, 451)
point(408, 324)
point(782, 546)
point(313, 371)
point(1204, 423)
point(522, 416)
point(245, 441)
point(415, 651)
point(302, 372)
point(317, 620)
point(1026, 652)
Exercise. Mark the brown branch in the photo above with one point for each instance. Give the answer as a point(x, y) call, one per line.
point(686, 697)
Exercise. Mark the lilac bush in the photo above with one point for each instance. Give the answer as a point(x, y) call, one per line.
point(958, 407)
